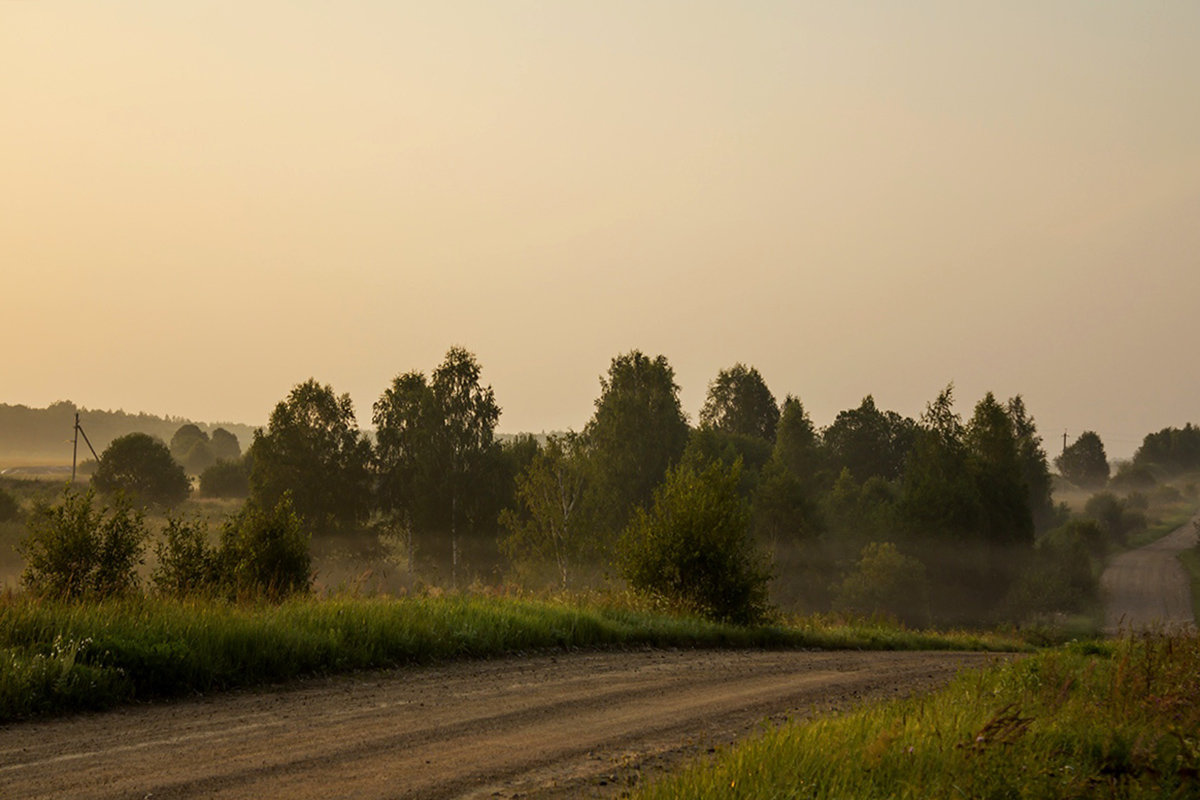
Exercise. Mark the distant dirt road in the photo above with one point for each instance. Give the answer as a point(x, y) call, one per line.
point(574, 725)
point(1148, 588)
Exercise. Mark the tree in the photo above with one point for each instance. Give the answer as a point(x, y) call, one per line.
point(225, 445)
point(1173, 449)
point(1034, 468)
point(939, 495)
point(142, 467)
point(75, 549)
point(885, 581)
point(999, 472)
point(469, 414)
point(549, 527)
point(692, 547)
point(740, 403)
point(191, 447)
point(636, 434)
point(869, 442)
point(437, 457)
point(184, 439)
point(313, 449)
point(796, 441)
point(783, 510)
point(1084, 463)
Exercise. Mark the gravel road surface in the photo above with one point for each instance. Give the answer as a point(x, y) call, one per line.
point(571, 725)
point(1147, 588)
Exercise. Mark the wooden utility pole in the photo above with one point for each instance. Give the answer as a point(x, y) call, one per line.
point(1064, 441)
point(75, 446)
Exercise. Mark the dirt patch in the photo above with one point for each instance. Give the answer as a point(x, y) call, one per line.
point(575, 725)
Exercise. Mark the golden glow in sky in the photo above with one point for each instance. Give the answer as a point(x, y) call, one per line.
point(202, 204)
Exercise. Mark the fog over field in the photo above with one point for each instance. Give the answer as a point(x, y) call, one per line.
point(206, 203)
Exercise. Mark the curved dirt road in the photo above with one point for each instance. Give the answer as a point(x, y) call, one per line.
point(1148, 588)
point(574, 725)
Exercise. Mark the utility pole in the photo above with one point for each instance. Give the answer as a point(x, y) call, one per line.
point(75, 446)
point(1064, 441)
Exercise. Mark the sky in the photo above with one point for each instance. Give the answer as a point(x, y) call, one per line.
point(203, 204)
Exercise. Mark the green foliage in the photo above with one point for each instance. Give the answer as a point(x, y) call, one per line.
point(1110, 720)
point(1084, 463)
point(549, 527)
point(442, 473)
point(782, 509)
point(1132, 476)
point(740, 403)
point(1175, 450)
point(1000, 469)
point(1116, 517)
point(710, 444)
point(1062, 575)
point(187, 564)
point(226, 479)
point(869, 442)
point(265, 552)
point(887, 582)
point(58, 657)
point(76, 549)
point(1035, 470)
point(313, 449)
point(693, 546)
point(636, 434)
point(191, 447)
point(141, 467)
point(225, 445)
point(9, 508)
point(797, 446)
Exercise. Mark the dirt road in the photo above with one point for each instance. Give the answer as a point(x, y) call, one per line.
point(1148, 588)
point(574, 725)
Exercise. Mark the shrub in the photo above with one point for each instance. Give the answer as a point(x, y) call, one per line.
point(74, 549)
point(693, 546)
point(1118, 518)
point(266, 552)
point(225, 479)
point(187, 565)
point(885, 581)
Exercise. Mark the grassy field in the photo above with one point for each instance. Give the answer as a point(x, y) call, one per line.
point(1112, 720)
point(60, 657)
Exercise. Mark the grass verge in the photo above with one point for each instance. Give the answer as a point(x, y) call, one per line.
point(1116, 719)
point(57, 657)
point(1191, 565)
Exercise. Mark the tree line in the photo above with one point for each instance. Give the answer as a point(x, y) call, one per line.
point(941, 517)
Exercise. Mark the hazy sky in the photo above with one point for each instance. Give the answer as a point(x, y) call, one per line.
point(203, 204)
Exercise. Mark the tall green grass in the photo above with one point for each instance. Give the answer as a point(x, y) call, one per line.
point(1112, 720)
point(67, 656)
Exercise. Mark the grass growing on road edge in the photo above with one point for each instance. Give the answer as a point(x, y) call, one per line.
point(58, 656)
point(1116, 719)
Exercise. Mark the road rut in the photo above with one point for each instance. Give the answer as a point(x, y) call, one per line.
point(571, 725)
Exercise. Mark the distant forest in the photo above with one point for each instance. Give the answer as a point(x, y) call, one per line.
point(39, 436)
